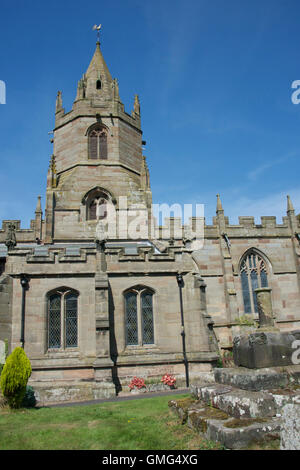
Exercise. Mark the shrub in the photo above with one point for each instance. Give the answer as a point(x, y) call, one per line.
point(29, 400)
point(14, 377)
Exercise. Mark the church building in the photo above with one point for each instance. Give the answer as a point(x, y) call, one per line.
point(97, 292)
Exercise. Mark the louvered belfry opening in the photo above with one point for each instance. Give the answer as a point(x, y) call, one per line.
point(98, 144)
point(97, 208)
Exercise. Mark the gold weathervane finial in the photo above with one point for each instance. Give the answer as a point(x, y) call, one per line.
point(97, 28)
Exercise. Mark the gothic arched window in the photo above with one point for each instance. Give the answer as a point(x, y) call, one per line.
point(139, 326)
point(98, 143)
point(253, 274)
point(62, 312)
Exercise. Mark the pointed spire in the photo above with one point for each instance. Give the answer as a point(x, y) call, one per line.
point(58, 102)
point(38, 209)
point(115, 88)
point(98, 64)
point(219, 205)
point(52, 177)
point(99, 82)
point(81, 87)
point(136, 106)
point(290, 207)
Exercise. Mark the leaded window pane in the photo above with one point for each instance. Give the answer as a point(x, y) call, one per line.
point(103, 145)
point(93, 144)
point(54, 338)
point(147, 318)
point(246, 293)
point(71, 321)
point(264, 279)
point(131, 318)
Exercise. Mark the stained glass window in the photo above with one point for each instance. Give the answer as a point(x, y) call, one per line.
point(253, 275)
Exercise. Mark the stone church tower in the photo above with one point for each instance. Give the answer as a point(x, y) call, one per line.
point(97, 158)
point(97, 293)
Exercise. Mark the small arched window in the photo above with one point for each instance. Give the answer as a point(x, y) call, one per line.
point(254, 275)
point(98, 143)
point(62, 310)
point(98, 85)
point(139, 325)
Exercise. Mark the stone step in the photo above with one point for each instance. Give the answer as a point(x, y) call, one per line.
point(258, 379)
point(237, 403)
point(246, 404)
point(233, 435)
point(216, 425)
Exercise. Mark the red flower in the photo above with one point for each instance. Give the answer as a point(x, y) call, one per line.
point(136, 382)
point(168, 379)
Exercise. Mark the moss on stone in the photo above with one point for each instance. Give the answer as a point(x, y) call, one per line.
point(242, 423)
point(183, 403)
point(289, 390)
point(213, 413)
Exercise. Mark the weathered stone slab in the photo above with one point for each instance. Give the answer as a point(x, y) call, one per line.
point(216, 425)
point(75, 392)
point(282, 399)
point(265, 349)
point(241, 436)
point(290, 429)
point(251, 379)
point(239, 403)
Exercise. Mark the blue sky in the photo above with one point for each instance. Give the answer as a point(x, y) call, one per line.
point(214, 80)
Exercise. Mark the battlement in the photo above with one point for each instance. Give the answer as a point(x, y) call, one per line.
point(174, 229)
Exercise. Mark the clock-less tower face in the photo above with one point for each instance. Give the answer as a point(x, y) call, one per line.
point(97, 153)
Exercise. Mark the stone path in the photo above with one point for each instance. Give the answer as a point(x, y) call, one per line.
point(121, 397)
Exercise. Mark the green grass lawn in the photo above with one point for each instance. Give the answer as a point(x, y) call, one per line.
point(144, 424)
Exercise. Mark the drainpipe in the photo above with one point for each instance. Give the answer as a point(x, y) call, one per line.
point(186, 365)
point(25, 286)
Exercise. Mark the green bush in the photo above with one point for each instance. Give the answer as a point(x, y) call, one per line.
point(29, 400)
point(14, 377)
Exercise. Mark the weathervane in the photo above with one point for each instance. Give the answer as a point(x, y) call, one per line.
point(97, 28)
